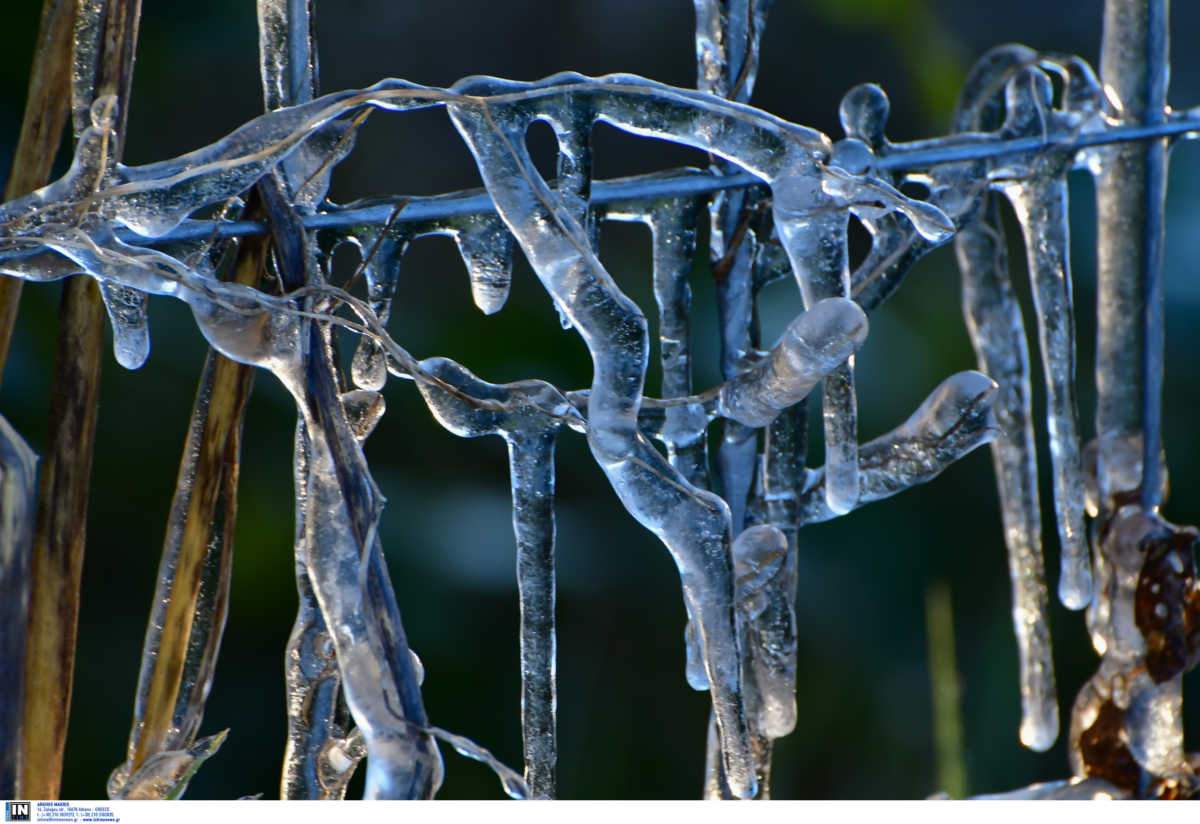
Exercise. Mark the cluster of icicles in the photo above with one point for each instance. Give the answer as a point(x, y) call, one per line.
point(736, 554)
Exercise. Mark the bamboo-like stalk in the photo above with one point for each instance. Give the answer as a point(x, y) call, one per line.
point(41, 132)
point(66, 471)
point(59, 540)
point(207, 483)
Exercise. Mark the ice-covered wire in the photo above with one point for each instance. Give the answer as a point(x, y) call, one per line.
point(682, 183)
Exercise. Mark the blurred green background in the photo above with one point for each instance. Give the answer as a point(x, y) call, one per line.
point(628, 724)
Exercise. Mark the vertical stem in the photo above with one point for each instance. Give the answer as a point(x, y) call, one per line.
point(172, 661)
point(59, 540)
point(1154, 113)
point(66, 471)
point(1130, 190)
point(46, 111)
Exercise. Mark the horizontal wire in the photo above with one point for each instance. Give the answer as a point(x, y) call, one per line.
point(675, 184)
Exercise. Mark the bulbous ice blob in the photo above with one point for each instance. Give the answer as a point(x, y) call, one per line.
point(813, 344)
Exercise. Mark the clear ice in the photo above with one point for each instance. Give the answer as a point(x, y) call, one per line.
point(528, 415)
point(353, 684)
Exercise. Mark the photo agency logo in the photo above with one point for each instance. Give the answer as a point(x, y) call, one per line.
point(16, 811)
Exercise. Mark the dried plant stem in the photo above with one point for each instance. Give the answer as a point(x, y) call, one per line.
point(66, 471)
point(46, 112)
point(213, 487)
point(59, 539)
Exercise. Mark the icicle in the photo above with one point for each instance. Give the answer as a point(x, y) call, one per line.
point(672, 227)
point(693, 524)
point(998, 336)
point(528, 415)
point(130, 324)
point(1040, 202)
point(684, 429)
point(956, 418)
point(383, 250)
point(759, 556)
point(486, 247)
point(18, 490)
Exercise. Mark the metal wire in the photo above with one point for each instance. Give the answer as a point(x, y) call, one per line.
point(901, 157)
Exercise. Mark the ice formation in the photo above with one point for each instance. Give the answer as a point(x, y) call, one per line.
point(779, 198)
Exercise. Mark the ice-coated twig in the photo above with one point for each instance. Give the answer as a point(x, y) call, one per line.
point(765, 559)
point(534, 412)
point(728, 33)
point(915, 156)
point(998, 336)
point(287, 51)
point(18, 492)
point(1154, 112)
point(1125, 212)
point(165, 775)
point(319, 759)
point(693, 524)
point(191, 599)
point(342, 553)
point(956, 418)
point(1128, 719)
point(672, 224)
point(345, 564)
point(320, 755)
point(69, 227)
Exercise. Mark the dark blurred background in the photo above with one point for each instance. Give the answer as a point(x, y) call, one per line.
point(628, 724)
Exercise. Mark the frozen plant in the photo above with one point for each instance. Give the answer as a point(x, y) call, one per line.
point(243, 233)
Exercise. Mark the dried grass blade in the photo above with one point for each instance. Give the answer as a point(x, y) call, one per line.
point(63, 492)
point(46, 111)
